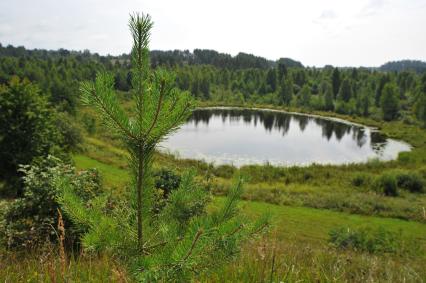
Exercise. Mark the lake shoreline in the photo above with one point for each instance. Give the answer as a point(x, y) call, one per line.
point(384, 155)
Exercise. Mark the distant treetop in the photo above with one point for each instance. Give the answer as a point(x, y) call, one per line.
point(404, 65)
point(161, 58)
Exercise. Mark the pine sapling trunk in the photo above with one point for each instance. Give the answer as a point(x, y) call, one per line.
point(139, 189)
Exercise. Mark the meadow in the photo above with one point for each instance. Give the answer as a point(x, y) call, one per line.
point(306, 204)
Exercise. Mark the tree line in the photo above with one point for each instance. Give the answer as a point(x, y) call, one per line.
point(212, 76)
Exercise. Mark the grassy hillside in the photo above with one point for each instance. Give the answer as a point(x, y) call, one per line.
point(306, 205)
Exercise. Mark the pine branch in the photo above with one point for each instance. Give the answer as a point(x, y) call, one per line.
point(159, 105)
point(163, 243)
point(113, 118)
point(194, 242)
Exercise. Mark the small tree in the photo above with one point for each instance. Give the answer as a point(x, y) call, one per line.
point(420, 105)
point(304, 98)
point(390, 102)
point(30, 220)
point(328, 98)
point(181, 239)
point(27, 128)
point(286, 91)
point(345, 92)
point(335, 81)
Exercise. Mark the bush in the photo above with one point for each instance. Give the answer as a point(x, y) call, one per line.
point(27, 130)
point(70, 131)
point(370, 240)
point(410, 181)
point(31, 220)
point(167, 181)
point(387, 185)
point(360, 179)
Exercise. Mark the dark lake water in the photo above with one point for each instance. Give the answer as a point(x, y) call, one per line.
point(242, 136)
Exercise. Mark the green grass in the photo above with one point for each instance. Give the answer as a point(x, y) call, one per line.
point(295, 250)
point(113, 176)
point(306, 203)
point(313, 225)
point(304, 222)
point(316, 186)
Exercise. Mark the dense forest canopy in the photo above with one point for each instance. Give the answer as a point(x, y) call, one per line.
point(241, 79)
point(404, 65)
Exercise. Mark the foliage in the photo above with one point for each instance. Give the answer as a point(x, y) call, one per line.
point(27, 129)
point(296, 250)
point(410, 181)
point(372, 240)
point(336, 81)
point(398, 66)
point(167, 181)
point(70, 131)
point(390, 102)
point(286, 91)
point(387, 184)
point(213, 76)
point(420, 104)
point(304, 96)
point(345, 91)
point(180, 239)
point(360, 179)
point(31, 220)
point(328, 98)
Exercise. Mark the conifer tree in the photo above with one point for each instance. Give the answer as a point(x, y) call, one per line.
point(335, 79)
point(328, 98)
point(345, 92)
point(389, 102)
point(182, 239)
point(286, 91)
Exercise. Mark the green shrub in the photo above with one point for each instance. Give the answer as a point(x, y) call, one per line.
point(167, 181)
point(224, 171)
point(27, 131)
point(387, 185)
point(410, 181)
point(370, 240)
point(31, 220)
point(307, 176)
point(360, 179)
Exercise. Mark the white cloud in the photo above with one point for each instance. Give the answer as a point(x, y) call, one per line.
point(372, 8)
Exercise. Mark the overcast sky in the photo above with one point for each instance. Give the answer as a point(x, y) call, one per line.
point(315, 32)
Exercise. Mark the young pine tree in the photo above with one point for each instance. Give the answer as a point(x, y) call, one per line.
point(328, 98)
point(181, 239)
point(286, 91)
point(389, 102)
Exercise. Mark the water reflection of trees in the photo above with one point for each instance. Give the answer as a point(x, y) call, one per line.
point(281, 122)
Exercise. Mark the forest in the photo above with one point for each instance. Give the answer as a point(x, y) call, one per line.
point(85, 196)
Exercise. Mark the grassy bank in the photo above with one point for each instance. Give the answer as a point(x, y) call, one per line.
point(318, 186)
point(306, 204)
point(296, 249)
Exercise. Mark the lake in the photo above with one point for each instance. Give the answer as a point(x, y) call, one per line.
point(246, 136)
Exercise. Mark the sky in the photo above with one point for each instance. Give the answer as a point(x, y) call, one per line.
point(315, 32)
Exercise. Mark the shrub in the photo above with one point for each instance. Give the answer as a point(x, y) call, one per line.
point(370, 240)
point(360, 179)
point(70, 131)
point(410, 181)
point(307, 176)
point(387, 185)
point(27, 130)
point(166, 180)
point(30, 220)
